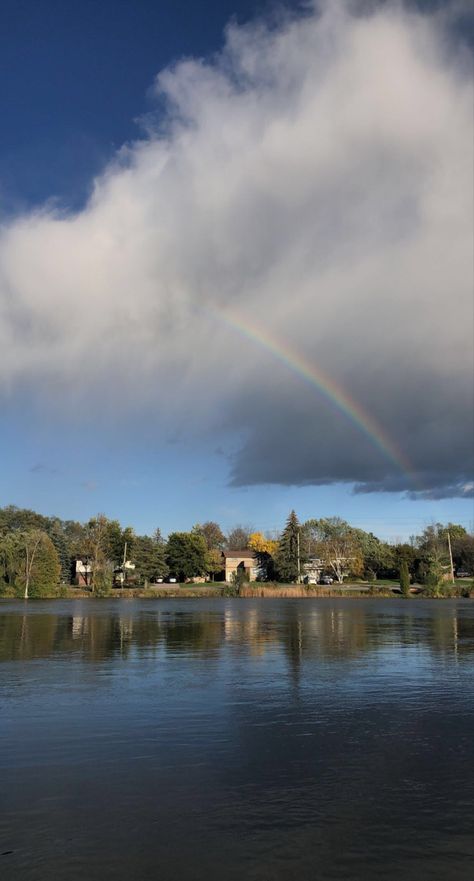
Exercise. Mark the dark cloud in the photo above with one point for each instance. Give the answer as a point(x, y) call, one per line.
point(295, 437)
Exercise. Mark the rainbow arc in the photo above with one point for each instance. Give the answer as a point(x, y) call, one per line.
point(325, 384)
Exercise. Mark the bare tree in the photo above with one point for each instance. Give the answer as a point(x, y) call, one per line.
point(239, 537)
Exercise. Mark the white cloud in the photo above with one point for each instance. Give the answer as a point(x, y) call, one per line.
point(316, 176)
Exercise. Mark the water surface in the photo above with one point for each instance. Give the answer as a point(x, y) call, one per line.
point(236, 739)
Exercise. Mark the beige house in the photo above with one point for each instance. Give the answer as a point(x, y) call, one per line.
point(244, 561)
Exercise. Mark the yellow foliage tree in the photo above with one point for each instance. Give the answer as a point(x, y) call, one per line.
point(262, 545)
point(214, 562)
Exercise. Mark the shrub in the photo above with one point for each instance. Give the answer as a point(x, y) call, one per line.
point(231, 590)
point(404, 579)
point(239, 578)
point(102, 584)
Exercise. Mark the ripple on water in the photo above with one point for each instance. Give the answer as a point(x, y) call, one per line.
point(265, 739)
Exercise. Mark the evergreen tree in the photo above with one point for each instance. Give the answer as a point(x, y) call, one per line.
point(289, 551)
point(60, 542)
point(149, 557)
point(404, 579)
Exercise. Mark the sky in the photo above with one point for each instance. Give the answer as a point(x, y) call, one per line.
point(236, 262)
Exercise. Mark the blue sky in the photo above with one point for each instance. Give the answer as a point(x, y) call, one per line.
point(77, 76)
point(114, 431)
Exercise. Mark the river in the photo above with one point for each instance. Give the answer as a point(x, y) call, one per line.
point(225, 739)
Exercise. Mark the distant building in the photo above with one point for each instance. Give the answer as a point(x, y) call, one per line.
point(82, 572)
point(312, 570)
point(128, 569)
point(240, 561)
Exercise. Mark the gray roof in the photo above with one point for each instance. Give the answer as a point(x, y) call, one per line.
point(239, 552)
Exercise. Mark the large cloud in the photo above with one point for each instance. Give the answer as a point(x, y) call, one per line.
point(315, 177)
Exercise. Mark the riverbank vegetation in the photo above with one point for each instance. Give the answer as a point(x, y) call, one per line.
point(39, 555)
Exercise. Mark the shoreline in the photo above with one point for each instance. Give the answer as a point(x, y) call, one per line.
point(226, 591)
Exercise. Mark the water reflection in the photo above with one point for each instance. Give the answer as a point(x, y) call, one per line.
point(302, 629)
point(256, 739)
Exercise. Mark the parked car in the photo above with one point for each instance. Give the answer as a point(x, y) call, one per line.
point(310, 579)
point(172, 580)
point(326, 579)
point(463, 573)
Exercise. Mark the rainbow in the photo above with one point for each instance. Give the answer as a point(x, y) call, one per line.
point(325, 384)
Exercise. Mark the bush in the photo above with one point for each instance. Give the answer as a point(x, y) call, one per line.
point(230, 590)
point(239, 578)
point(102, 584)
point(8, 590)
point(433, 585)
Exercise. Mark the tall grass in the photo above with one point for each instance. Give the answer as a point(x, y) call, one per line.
point(300, 590)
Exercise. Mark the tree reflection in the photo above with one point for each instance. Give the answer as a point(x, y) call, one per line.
point(298, 630)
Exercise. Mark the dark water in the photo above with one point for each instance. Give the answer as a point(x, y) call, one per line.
point(236, 739)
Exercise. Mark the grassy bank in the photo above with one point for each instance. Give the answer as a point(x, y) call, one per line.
point(462, 588)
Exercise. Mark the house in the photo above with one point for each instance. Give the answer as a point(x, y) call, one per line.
point(81, 572)
point(128, 569)
point(312, 570)
point(240, 561)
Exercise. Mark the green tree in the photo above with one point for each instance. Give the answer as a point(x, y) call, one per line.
point(57, 535)
point(215, 563)
point(463, 553)
point(377, 555)
point(404, 579)
point(403, 553)
point(21, 519)
point(103, 579)
point(433, 564)
point(10, 560)
point(289, 554)
point(433, 578)
point(75, 535)
point(337, 544)
point(215, 541)
point(115, 540)
point(97, 548)
point(186, 555)
point(434, 539)
point(39, 567)
point(149, 557)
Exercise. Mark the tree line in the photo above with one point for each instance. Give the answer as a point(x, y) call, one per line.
point(38, 553)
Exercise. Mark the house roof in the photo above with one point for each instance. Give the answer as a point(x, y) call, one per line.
point(240, 552)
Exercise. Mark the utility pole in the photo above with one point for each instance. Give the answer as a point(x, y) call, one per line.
point(451, 559)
